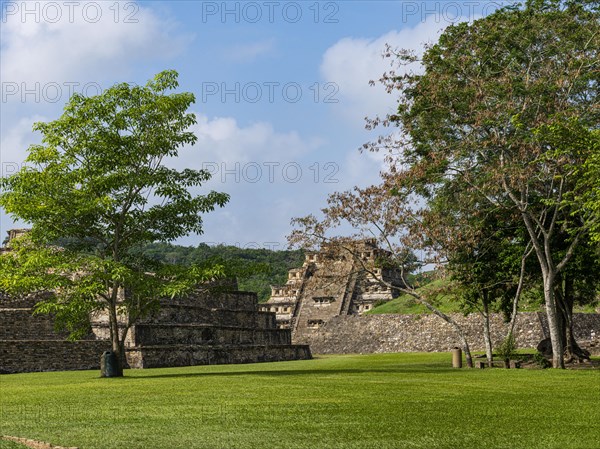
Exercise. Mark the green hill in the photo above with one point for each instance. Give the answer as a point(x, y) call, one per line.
point(406, 304)
point(440, 295)
point(255, 269)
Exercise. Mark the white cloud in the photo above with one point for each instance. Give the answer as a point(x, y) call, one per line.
point(222, 140)
point(352, 62)
point(270, 174)
point(13, 150)
point(75, 41)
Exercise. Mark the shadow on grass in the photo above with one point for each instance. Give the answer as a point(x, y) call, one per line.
point(432, 369)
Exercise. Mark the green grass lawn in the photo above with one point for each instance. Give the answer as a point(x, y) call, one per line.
point(370, 401)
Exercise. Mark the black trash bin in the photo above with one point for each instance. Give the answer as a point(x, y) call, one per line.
point(108, 365)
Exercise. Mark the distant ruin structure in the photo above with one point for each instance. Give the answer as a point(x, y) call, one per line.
point(12, 234)
point(337, 280)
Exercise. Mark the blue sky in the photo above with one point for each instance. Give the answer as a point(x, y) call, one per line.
point(282, 89)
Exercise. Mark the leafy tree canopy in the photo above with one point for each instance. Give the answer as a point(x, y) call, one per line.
point(98, 185)
point(505, 117)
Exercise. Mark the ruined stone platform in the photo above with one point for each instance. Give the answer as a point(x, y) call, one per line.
point(209, 329)
point(189, 355)
point(204, 329)
point(29, 343)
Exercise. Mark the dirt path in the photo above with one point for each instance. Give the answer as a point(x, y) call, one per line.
point(34, 444)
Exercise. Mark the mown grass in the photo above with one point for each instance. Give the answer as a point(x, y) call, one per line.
point(10, 445)
point(338, 402)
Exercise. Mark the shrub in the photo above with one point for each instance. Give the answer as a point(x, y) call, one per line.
point(541, 361)
point(507, 349)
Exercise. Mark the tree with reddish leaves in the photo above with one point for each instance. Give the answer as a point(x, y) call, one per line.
point(397, 223)
point(500, 124)
point(505, 114)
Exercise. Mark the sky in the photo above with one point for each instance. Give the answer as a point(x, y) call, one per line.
point(282, 89)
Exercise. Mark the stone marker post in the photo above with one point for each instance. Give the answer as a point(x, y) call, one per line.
point(456, 357)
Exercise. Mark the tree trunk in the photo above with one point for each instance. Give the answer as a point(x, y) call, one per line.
point(553, 322)
point(116, 345)
point(467, 352)
point(486, 333)
point(515, 304)
point(565, 298)
point(550, 270)
point(118, 350)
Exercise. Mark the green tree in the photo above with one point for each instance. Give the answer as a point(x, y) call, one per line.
point(255, 269)
point(486, 119)
point(592, 174)
point(99, 186)
point(489, 261)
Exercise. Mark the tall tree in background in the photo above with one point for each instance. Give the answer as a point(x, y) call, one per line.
point(506, 110)
point(591, 172)
point(486, 255)
point(98, 185)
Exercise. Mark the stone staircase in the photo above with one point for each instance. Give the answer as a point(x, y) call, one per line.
point(205, 330)
point(326, 294)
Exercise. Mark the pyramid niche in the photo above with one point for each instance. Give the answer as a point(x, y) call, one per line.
point(337, 280)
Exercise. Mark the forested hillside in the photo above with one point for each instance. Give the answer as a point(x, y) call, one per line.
point(255, 269)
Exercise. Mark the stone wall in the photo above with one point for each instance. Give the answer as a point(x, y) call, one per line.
point(186, 355)
point(205, 334)
point(46, 355)
point(194, 313)
point(429, 333)
point(20, 324)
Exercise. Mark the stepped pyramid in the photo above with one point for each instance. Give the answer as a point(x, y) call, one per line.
point(203, 329)
point(29, 342)
point(334, 281)
point(206, 329)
